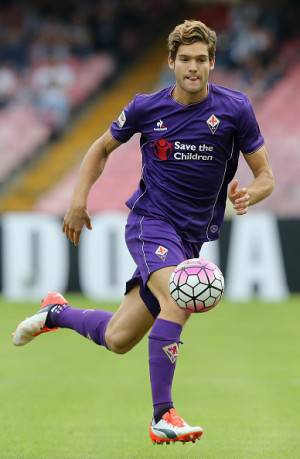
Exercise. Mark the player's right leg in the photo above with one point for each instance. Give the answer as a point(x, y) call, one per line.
point(118, 332)
point(166, 426)
point(157, 249)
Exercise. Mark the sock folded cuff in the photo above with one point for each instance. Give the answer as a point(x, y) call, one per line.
point(165, 330)
point(53, 313)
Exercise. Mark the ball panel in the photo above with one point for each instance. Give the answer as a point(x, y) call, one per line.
point(215, 293)
point(190, 306)
point(192, 270)
point(204, 295)
point(182, 277)
point(184, 297)
point(175, 294)
point(176, 276)
point(210, 275)
point(202, 275)
point(181, 303)
point(200, 289)
point(192, 280)
point(187, 289)
point(217, 284)
point(210, 301)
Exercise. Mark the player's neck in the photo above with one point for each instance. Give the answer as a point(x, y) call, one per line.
point(186, 98)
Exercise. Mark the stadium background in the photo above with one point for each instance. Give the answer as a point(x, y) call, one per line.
point(66, 71)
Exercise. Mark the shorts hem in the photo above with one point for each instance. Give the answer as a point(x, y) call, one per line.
point(146, 295)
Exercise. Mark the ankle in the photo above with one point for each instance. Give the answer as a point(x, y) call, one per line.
point(160, 410)
point(54, 313)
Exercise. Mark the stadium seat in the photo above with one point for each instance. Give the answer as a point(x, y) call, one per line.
point(21, 133)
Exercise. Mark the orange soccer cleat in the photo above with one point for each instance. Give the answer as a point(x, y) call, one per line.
point(35, 325)
point(172, 428)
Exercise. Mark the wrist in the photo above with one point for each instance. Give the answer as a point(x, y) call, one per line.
point(78, 204)
point(252, 199)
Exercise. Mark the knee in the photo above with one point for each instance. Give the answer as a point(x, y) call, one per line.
point(116, 344)
point(171, 311)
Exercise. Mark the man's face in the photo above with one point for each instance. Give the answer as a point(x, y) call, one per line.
point(192, 67)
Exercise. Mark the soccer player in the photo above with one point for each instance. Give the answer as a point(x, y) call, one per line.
point(192, 134)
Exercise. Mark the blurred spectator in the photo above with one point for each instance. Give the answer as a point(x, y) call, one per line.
point(50, 83)
point(51, 41)
point(52, 71)
point(53, 106)
point(103, 23)
point(80, 35)
point(249, 42)
point(12, 47)
point(8, 84)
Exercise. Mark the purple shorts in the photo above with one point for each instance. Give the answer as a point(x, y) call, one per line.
point(154, 244)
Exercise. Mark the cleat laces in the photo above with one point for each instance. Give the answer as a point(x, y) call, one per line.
point(172, 418)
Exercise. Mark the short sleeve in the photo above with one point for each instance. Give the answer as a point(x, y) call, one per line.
point(249, 137)
point(125, 126)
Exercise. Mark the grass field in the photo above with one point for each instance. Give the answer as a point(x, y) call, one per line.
point(238, 375)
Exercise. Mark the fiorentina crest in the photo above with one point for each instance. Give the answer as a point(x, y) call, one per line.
point(213, 123)
point(172, 351)
point(161, 252)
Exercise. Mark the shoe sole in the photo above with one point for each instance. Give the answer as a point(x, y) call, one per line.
point(189, 437)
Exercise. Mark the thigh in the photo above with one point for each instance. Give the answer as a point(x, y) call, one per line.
point(130, 322)
point(153, 244)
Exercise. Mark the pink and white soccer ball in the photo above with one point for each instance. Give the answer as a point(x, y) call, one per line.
point(197, 285)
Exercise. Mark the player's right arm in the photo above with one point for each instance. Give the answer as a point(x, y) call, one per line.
point(91, 168)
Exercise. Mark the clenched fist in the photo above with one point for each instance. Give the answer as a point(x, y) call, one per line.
point(239, 197)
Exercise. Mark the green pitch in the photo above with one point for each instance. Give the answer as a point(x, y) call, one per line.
point(238, 375)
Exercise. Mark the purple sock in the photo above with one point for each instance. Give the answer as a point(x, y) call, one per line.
point(90, 323)
point(163, 352)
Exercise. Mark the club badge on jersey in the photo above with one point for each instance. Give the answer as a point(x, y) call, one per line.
point(213, 123)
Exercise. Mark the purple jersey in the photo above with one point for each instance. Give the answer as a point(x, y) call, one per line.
point(189, 155)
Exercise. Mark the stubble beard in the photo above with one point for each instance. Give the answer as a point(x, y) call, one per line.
point(197, 88)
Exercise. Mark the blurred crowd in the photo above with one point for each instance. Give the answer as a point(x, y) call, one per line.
point(34, 30)
point(40, 40)
point(261, 41)
point(258, 42)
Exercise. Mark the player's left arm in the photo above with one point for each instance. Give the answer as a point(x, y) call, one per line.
point(261, 187)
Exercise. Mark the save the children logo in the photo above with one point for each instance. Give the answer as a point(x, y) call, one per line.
point(163, 149)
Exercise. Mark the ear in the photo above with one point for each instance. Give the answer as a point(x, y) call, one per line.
point(171, 63)
point(212, 64)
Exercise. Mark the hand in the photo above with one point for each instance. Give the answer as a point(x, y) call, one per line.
point(239, 197)
point(74, 221)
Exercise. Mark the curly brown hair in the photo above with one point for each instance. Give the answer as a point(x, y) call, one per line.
point(189, 32)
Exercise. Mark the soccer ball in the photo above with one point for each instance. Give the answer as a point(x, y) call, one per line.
point(197, 285)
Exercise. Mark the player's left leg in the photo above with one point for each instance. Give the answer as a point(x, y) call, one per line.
point(119, 332)
point(164, 341)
